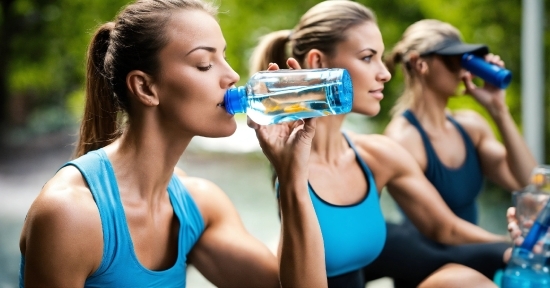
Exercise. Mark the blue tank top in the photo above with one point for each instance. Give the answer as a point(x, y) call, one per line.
point(353, 235)
point(459, 187)
point(120, 266)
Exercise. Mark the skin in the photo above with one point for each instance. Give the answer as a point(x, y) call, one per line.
point(62, 239)
point(332, 164)
point(508, 164)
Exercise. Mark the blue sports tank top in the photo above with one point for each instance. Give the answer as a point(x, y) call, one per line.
point(120, 266)
point(459, 187)
point(353, 235)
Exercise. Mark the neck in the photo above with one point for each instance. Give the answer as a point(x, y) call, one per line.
point(431, 109)
point(144, 158)
point(328, 143)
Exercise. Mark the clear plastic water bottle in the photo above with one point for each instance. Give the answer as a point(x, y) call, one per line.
point(490, 73)
point(527, 268)
point(271, 97)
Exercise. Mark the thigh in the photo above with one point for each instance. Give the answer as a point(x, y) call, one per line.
point(486, 258)
point(408, 257)
point(456, 276)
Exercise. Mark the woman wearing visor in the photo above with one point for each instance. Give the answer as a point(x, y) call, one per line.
point(456, 150)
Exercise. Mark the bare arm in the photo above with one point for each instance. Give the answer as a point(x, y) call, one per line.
point(394, 166)
point(226, 254)
point(510, 164)
point(62, 240)
point(301, 258)
point(288, 146)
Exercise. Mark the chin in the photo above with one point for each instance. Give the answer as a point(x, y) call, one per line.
point(371, 110)
point(220, 131)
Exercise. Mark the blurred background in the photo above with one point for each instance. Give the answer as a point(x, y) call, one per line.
point(42, 71)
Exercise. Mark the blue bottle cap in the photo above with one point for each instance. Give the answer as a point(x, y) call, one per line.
point(235, 100)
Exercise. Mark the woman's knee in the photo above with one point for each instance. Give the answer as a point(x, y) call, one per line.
point(456, 275)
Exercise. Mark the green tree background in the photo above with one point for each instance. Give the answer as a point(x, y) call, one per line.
point(43, 45)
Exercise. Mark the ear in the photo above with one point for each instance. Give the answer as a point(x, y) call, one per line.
point(141, 85)
point(418, 63)
point(315, 59)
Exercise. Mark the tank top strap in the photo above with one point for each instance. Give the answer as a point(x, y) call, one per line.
point(414, 121)
point(99, 175)
point(187, 212)
point(364, 166)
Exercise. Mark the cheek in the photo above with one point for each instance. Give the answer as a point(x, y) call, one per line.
point(365, 105)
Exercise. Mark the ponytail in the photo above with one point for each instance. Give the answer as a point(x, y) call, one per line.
point(99, 124)
point(272, 48)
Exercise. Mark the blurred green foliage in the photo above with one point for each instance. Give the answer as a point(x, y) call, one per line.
point(48, 41)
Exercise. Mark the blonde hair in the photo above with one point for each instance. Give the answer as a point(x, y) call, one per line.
point(418, 38)
point(321, 27)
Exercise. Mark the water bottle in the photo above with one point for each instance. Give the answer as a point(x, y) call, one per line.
point(490, 73)
point(271, 97)
point(526, 270)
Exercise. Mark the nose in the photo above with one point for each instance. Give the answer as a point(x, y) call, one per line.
point(230, 78)
point(384, 74)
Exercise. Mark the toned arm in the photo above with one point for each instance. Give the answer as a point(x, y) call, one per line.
point(62, 241)
point(395, 168)
point(226, 254)
point(509, 163)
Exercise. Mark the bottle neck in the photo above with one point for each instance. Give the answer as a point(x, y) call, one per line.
point(235, 100)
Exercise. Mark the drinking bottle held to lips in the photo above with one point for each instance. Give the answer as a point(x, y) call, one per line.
point(489, 72)
point(276, 96)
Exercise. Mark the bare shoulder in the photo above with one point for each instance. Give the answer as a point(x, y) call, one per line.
point(475, 125)
point(468, 117)
point(209, 197)
point(404, 133)
point(63, 223)
point(382, 152)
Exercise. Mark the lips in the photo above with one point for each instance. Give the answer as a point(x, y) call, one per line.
point(377, 93)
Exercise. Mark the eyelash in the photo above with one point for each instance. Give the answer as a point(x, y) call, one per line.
point(368, 58)
point(205, 68)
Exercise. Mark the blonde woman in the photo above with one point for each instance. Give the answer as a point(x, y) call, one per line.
point(456, 150)
point(347, 171)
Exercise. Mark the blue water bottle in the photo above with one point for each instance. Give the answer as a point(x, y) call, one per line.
point(271, 97)
point(490, 73)
point(527, 269)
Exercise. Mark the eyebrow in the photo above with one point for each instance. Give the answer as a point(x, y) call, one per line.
point(370, 49)
point(207, 48)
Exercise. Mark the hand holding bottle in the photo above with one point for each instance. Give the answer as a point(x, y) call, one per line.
point(516, 233)
point(490, 96)
point(287, 145)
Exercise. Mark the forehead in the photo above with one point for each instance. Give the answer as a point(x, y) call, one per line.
point(188, 29)
point(363, 36)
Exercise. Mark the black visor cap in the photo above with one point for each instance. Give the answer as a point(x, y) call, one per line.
point(455, 47)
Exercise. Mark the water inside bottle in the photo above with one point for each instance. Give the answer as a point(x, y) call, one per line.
point(274, 101)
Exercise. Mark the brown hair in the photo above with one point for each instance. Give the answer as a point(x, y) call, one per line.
point(420, 37)
point(321, 27)
point(131, 42)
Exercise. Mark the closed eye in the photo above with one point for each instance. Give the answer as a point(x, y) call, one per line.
point(204, 68)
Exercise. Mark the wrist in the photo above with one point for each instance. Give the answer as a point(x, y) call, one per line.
point(499, 113)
